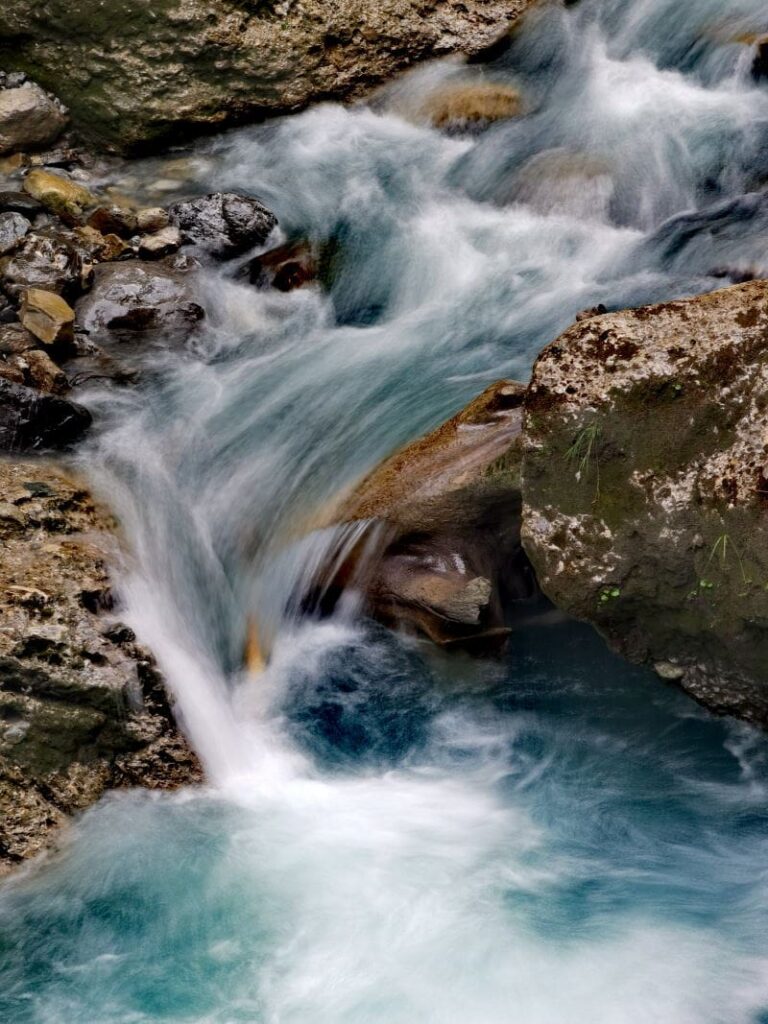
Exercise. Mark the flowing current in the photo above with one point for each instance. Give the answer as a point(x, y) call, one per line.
point(389, 837)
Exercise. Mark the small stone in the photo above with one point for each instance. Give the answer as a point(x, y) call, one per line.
point(151, 219)
point(113, 220)
point(13, 227)
point(44, 374)
point(671, 673)
point(162, 243)
point(15, 339)
point(49, 317)
point(28, 118)
point(59, 194)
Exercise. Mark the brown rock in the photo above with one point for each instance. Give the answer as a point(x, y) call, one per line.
point(28, 118)
point(113, 220)
point(472, 105)
point(47, 316)
point(162, 243)
point(151, 219)
point(43, 373)
point(59, 194)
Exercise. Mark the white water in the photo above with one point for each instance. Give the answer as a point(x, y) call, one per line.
point(385, 838)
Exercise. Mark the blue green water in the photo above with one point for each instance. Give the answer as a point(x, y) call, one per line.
point(388, 836)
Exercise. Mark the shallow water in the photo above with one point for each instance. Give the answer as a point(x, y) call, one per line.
point(388, 836)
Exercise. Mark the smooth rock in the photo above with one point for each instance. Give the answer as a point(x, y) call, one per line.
point(46, 315)
point(62, 196)
point(13, 227)
point(30, 420)
point(161, 243)
point(20, 202)
point(28, 118)
point(223, 224)
point(133, 300)
point(472, 105)
point(151, 219)
point(113, 220)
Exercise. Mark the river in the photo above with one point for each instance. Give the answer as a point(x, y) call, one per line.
point(388, 836)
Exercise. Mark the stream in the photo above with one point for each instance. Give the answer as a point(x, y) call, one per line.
point(389, 835)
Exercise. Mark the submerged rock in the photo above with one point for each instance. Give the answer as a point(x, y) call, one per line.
point(29, 118)
point(472, 105)
point(285, 268)
point(645, 488)
point(223, 224)
point(82, 707)
point(442, 554)
point(136, 299)
point(31, 420)
point(199, 64)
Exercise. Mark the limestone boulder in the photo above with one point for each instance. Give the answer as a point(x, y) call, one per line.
point(29, 118)
point(645, 488)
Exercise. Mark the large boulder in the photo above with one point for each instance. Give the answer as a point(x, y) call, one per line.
point(28, 118)
point(439, 549)
point(135, 73)
point(82, 707)
point(645, 486)
point(223, 224)
point(137, 300)
point(30, 420)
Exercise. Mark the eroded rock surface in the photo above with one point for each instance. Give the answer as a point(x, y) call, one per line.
point(442, 555)
point(134, 73)
point(82, 707)
point(645, 488)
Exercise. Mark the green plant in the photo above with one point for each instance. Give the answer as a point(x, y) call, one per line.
point(583, 452)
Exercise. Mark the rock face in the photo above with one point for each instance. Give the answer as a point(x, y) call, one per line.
point(139, 300)
point(645, 488)
point(441, 554)
point(82, 708)
point(223, 224)
point(28, 118)
point(136, 73)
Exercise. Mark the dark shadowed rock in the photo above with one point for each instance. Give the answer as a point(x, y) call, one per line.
point(441, 553)
point(133, 300)
point(285, 268)
point(20, 202)
point(30, 420)
point(223, 224)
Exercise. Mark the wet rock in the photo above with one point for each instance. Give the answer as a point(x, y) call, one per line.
point(14, 339)
point(13, 227)
point(149, 83)
point(114, 220)
point(103, 248)
point(137, 299)
point(645, 486)
point(42, 373)
point(30, 420)
point(82, 707)
point(28, 118)
point(47, 316)
point(472, 105)
point(285, 268)
point(43, 260)
point(441, 554)
point(161, 243)
point(223, 224)
point(20, 202)
point(151, 219)
point(59, 194)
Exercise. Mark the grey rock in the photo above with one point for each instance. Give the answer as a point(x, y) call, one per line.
point(13, 227)
point(135, 300)
point(28, 118)
point(20, 202)
point(223, 224)
point(43, 260)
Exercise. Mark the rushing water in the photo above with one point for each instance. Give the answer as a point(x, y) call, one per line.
point(388, 836)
